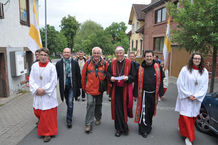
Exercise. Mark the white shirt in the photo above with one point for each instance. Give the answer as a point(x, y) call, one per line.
point(81, 64)
point(186, 85)
point(48, 83)
point(165, 80)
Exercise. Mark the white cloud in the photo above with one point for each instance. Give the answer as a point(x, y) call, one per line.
point(103, 12)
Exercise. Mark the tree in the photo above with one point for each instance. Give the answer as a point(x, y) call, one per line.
point(69, 27)
point(197, 28)
point(100, 39)
point(119, 37)
point(56, 40)
point(86, 29)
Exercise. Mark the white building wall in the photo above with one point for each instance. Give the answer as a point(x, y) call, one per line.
point(14, 37)
point(12, 33)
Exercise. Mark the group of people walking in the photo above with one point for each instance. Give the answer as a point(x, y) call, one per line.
point(128, 81)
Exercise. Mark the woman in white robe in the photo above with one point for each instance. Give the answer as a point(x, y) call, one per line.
point(192, 87)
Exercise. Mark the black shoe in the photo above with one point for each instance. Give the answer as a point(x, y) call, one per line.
point(144, 134)
point(46, 138)
point(118, 133)
point(69, 125)
point(126, 133)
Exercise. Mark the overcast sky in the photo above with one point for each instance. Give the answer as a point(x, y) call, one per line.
point(103, 12)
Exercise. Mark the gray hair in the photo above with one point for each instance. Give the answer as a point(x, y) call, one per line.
point(96, 48)
point(119, 48)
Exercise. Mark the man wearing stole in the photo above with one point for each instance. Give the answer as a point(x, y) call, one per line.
point(121, 74)
point(147, 89)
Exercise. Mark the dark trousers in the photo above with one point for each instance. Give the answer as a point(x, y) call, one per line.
point(83, 94)
point(119, 121)
point(150, 104)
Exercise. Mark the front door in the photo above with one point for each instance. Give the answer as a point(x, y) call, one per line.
point(2, 74)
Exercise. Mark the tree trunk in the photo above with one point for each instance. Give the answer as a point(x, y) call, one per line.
point(213, 69)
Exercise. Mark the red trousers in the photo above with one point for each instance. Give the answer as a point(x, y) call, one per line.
point(47, 125)
point(187, 127)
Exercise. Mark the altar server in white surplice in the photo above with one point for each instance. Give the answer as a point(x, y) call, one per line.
point(43, 81)
point(192, 87)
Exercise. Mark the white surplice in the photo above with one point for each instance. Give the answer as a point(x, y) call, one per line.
point(191, 84)
point(48, 82)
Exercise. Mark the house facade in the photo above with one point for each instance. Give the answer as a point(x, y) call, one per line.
point(15, 57)
point(136, 20)
point(154, 32)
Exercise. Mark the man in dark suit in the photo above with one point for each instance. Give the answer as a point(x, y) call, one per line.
point(68, 72)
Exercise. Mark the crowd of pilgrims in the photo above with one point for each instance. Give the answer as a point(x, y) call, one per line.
point(124, 80)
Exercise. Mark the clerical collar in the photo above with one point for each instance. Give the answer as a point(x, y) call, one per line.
point(195, 67)
point(120, 61)
point(43, 64)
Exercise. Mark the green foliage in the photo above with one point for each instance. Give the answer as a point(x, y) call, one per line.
point(56, 41)
point(100, 39)
point(197, 25)
point(119, 37)
point(82, 37)
point(69, 27)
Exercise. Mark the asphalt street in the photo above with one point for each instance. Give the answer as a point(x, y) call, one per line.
point(164, 132)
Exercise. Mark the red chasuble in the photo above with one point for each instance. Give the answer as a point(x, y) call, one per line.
point(140, 90)
point(125, 87)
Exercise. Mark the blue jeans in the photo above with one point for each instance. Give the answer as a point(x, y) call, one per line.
point(69, 103)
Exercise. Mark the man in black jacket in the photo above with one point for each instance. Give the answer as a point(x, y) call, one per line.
point(68, 72)
point(81, 61)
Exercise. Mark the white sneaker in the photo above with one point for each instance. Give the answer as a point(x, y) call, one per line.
point(187, 142)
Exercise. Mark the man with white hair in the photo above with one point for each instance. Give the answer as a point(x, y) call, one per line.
point(94, 71)
point(121, 74)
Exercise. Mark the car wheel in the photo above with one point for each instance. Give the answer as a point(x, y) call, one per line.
point(202, 122)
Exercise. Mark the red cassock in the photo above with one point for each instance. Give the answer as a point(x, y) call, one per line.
point(187, 127)
point(47, 125)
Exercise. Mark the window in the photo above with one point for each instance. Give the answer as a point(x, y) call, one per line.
point(1, 11)
point(24, 12)
point(133, 28)
point(136, 44)
point(158, 43)
point(141, 46)
point(160, 15)
point(137, 25)
point(132, 44)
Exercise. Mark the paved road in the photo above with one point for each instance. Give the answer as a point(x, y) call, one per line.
point(164, 128)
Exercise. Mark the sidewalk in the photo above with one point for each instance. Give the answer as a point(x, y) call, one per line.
point(17, 118)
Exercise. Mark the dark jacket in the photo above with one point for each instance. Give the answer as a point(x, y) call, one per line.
point(76, 78)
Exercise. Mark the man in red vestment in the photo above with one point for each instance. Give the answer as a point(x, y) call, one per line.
point(121, 74)
point(147, 89)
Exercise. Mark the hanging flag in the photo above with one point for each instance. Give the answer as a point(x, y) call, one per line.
point(167, 43)
point(35, 42)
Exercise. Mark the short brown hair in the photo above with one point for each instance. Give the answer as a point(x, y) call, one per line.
point(46, 50)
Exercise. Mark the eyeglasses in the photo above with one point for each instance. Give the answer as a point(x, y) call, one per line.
point(45, 55)
point(96, 53)
point(196, 58)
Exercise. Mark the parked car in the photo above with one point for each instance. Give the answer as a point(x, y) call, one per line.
point(207, 120)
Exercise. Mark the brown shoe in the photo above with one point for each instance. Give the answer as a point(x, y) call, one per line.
point(97, 122)
point(88, 128)
point(47, 138)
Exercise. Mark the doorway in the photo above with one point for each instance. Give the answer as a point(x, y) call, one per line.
point(3, 92)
